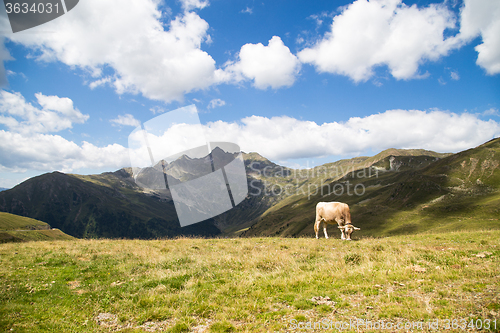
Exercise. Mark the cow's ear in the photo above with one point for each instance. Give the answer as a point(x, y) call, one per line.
point(356, 228)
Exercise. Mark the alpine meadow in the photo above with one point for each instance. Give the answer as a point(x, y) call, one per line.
point(253, 166)
point(426, 255)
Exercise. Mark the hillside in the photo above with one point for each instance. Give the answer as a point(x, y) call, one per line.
point(112, 205)
point(280, 201)
point(14, 228)
point(401, 195)
point(15, 222)
point(108, 205)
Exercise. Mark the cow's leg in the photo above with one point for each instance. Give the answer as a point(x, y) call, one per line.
point(316, 227)
point(340, 222)
point(324, 230)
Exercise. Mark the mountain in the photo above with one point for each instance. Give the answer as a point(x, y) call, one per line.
point(112, 204)
point(399, 194)
point(272, 186)
point(108, 205)
point(3, 189)
point(396, 191)
point(14, 228)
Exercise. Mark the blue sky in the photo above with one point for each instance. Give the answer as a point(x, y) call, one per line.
point(300, 82)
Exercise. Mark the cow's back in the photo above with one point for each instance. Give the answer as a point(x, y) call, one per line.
point(330, 211)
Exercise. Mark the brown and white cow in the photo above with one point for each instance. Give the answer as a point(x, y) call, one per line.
point(331, 213)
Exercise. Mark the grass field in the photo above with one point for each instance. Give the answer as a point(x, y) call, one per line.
point(251, 284)
point(16, 222)
point(15, 228)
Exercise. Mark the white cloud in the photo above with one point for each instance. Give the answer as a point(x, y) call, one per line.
point(56, 113)
point(382, 32)
point(26, 146)
point(46, 152)
point(100, 82)
point(454, 75)
point(160, 63)
point(247, 10)
point(268, 66)
point(482, 18)
point(216, 103)
point(277, 138)
point(157, 109)
point(165, 61)
point(319, 19)
point(283, 138)
point(194, 4)
point(491, 112)
point(126, 120)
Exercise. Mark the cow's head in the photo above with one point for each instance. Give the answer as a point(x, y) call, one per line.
point(348, 230)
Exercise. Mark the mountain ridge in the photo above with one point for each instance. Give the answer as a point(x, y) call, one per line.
point(401, 200)
point(98, 206)
point(112, 205)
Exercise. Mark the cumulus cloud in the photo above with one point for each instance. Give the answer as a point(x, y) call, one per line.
point(126, 120)
point(216, 103)
point(27, 146)
point(54, 114)
point(373, 33)
point(164, 61)
point(268, 66)
point(161, 63)
point(277, 138)
point(194, 4)
point(46, 152)
point(283, 138)
point(482, 18)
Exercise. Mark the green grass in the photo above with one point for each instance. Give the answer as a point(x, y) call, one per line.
point(246, 285)
point(33, 235)
point(14, 228)
point(16, 222)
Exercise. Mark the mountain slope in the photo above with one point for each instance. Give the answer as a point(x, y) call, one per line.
point(14, 228)
point(280, 200)
point(402, 194)
point(107, 205)
point(16, 222)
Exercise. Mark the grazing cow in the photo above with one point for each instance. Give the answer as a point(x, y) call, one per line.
point(331, 213)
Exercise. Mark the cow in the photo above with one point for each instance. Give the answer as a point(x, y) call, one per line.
point(331, 213)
